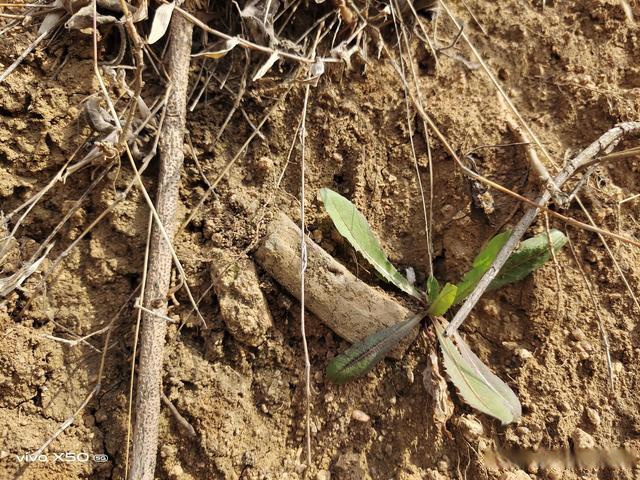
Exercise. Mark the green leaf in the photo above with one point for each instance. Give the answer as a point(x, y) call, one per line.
point(530, 255)
point(443, 301)
point(433, 288)
point(354, 227)
point(476, 383)
point(480, 265)
point(361, 357)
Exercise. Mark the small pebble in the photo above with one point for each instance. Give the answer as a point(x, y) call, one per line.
point(583, 355)
point(360, 416)
point(517, 475)
point(582, 439)
point(443, 466)
point(524, 354)
point(323, 475)
point(593, 416)
point(470, 428)
point(586, 346)
point(578, 335)
point(410, 376)
point(554, 475)
point(447, 211)
point(617, 368)
point(176, 471)
point(490, 308)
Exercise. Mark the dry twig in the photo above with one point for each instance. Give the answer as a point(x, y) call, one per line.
point(605, 143)
point(145, 434)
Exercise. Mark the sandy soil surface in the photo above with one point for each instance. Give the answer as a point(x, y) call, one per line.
point(572, 70)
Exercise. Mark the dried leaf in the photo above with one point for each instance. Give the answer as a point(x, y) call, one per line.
point(83, 18)
point(344, 53)
point(161, 22)
point(50, 21)
point(142, 12)
point(225, 47)
point(315, 72)
point(355, 229)
point(260, 23)
point(476, 383)
point(436, 386)
point(273, 58)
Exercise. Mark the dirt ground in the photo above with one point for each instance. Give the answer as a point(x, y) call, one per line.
point(572, 70)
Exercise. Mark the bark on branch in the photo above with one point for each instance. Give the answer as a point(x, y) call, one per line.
point(153, 330)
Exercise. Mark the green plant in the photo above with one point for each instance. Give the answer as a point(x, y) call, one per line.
point(477, 385)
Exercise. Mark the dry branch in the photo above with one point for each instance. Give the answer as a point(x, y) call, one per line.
point(604, 144)
point(347, 305)
point(145, 435)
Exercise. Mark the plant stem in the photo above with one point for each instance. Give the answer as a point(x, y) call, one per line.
point(153, 330)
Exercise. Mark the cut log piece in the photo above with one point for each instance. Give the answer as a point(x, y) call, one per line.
point(347, 305)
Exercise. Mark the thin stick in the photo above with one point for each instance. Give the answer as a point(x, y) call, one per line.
point(621, 155)
point(475, 19)
point(181, 420)
point(424, 32)
point(152, 335)
point(607, 140)
point(532, 155)
point(26, 52)
point(303, 267)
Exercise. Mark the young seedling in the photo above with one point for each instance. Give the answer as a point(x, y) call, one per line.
point(478, 386)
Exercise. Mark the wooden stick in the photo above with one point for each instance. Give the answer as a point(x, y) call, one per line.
point(605, 143)
point(153, 330)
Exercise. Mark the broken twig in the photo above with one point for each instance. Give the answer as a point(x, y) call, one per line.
point(604, 144)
